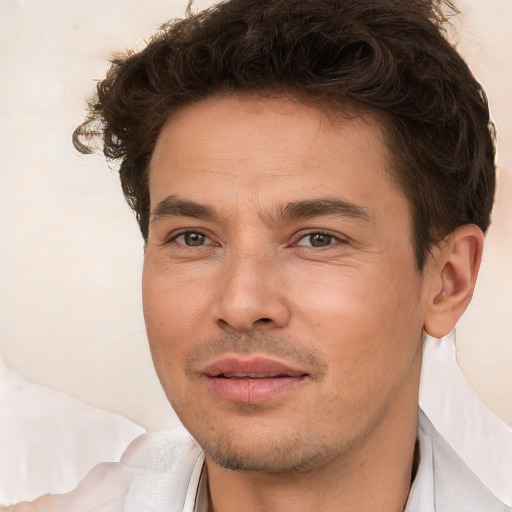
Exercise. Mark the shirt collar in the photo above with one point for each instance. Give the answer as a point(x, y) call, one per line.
point(196, 498)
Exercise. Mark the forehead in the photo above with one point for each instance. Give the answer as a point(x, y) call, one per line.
point(274, 149)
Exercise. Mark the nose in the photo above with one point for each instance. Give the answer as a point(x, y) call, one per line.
point(251, 295)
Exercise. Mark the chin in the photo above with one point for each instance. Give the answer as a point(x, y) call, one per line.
point(264, 451)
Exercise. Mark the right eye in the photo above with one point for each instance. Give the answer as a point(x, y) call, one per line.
point(317, 240)
point(191, 239)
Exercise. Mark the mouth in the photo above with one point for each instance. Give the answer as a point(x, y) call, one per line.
point(251, 380)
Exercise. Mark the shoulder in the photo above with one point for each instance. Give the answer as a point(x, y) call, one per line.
point(154, 472)
point(103, 489)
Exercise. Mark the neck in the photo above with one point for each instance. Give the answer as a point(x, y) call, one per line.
point(375, 475)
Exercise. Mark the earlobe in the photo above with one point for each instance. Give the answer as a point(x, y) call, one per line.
point(455, 268)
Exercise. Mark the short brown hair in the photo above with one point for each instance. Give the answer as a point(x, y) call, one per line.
point(388, 56)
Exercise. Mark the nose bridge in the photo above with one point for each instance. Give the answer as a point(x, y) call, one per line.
point(251, 294)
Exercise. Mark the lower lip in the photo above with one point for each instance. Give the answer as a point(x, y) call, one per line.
point(246, 391)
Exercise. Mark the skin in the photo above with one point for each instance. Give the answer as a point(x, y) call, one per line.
point(331, 291)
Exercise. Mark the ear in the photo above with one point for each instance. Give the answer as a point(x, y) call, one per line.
point(453, 269)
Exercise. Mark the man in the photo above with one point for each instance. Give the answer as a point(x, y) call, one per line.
point(312, 179)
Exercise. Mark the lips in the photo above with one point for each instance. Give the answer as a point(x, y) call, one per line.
point(251, 380)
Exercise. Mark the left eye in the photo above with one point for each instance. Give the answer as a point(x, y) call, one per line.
point(317, 240)
point(191, 239)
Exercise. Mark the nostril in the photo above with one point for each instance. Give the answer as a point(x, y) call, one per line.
point(264, 320)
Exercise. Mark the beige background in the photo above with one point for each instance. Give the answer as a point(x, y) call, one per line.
point(71, 254)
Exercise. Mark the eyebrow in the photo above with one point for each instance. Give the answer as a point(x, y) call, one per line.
point(172, 206)
point(319, 207)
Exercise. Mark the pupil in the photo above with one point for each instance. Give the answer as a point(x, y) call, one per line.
point(320, 240)
point(194, 239)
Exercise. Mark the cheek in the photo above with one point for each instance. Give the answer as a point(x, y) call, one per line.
point(171, 313)
point(366, 333)
point(171, 298)
point(361, 319)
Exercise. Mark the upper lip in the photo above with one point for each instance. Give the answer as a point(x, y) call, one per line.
point(251, 367)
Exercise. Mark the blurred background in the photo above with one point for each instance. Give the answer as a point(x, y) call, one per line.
point(71, 253)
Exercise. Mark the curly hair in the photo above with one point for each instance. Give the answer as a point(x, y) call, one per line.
point(388, 56)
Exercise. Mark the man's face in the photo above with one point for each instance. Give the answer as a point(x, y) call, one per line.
point(283, 305)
